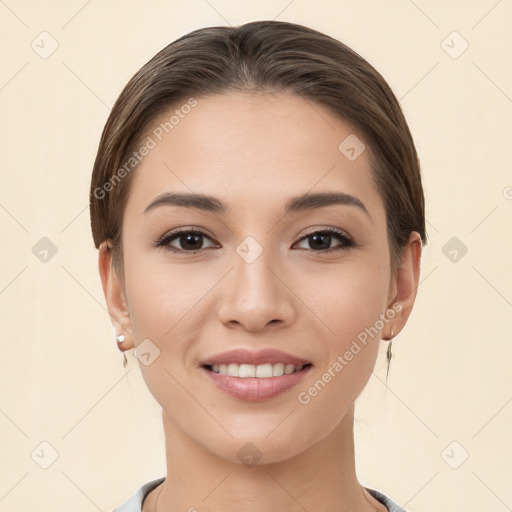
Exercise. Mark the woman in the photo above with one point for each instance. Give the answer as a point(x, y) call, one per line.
point(257, 204)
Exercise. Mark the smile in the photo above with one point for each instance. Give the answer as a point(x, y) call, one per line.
point(261, 371)
point(253, 383)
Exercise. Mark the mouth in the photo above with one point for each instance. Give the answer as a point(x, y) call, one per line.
point(254, 375)
point(255, 383)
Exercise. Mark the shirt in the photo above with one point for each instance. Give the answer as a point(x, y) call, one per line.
point(134, 503)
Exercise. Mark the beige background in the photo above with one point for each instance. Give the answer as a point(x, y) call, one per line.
point(62, 376)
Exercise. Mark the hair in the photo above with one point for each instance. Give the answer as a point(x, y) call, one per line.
point(263, 57)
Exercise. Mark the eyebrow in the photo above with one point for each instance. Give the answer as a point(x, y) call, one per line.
point(308, 201)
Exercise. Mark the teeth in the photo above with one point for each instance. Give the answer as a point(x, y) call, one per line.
point(262, 371)
point(289, 368)
point(233, 369)
point(277, 370)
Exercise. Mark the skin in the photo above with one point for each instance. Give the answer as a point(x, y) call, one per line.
point(253, 152)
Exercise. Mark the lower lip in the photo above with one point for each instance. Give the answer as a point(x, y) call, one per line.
point(254, 389)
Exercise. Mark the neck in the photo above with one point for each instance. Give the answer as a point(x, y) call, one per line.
point(320, 479)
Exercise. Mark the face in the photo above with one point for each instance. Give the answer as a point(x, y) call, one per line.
point(255, 276)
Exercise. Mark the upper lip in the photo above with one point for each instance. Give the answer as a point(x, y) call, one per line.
point(245, 356)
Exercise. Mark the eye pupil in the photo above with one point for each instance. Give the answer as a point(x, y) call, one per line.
point(317, 236)
point(191, 237)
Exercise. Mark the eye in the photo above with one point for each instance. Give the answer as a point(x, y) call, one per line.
point(321, 240)
point(188, 240)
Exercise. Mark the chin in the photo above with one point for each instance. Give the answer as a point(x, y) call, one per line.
point(257, 448)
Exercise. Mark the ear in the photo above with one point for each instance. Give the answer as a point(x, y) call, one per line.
point(113, 289)
point(405, 285)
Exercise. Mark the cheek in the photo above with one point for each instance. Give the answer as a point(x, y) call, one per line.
point(351, 300)
point(352, 311)
point(162, 316)
point(166, 308)
point(159, 296)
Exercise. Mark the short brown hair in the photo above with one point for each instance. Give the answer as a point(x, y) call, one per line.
point(263, 56)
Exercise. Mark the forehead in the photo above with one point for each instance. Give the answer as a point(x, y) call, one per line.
point(253, 151)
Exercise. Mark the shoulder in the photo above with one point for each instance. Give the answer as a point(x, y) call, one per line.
point(134, 502)
point(385, 500)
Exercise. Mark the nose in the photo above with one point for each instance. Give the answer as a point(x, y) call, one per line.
point(254, 296)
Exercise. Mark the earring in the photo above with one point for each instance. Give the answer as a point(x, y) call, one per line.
point(389, 355)
point(120, 340)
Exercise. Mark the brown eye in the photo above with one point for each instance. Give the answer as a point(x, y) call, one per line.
point(320, 241)
point(188, 241)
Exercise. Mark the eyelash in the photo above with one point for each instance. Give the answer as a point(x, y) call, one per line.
point(165, 240)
